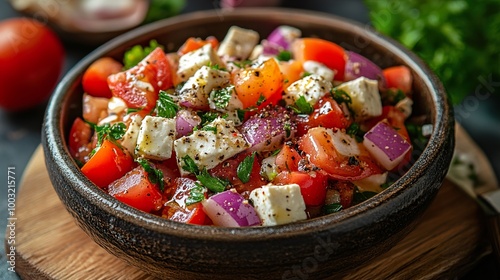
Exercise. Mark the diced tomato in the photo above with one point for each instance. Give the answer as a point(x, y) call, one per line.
point(346, 192)
point(136, 190)
point(170, 172)
point(108, 164)
point(287, 159)
point(328, 113)
point(398, 77)
point(227, 170)
point(326, 52)
point(302, 122)
point(95, 78)
point(176, 208)
point(259, 86)
point(291, 70)
point(193, 44)
point(318, 146)
point(312, 185)
point(139, 86)
point(79, 140)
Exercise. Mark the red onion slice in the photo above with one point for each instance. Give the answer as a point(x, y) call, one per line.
point(230, 209)
point(386, 145)
point(280, 39)
point(268, 129)
point(360, 66)
point(186, 120)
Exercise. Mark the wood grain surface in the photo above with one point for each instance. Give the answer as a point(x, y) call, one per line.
point(449, 239)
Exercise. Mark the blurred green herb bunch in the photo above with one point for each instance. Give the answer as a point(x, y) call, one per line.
point(459, 39)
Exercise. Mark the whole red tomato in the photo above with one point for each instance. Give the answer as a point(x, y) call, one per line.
point(31, 60)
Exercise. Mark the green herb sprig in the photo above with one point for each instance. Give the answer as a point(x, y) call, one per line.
point(155, 175)
point(106, 131)
point(165, 106)
point(245, 167)
point(196, 194)
point(302, 106)
point(210, 182)
point(458, 39)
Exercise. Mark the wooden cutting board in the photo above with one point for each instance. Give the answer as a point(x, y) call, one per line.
point(448, 240)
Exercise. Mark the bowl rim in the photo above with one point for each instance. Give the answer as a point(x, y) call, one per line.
point(344, 219)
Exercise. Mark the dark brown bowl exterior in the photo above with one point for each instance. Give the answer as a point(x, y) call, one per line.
point(318, 248)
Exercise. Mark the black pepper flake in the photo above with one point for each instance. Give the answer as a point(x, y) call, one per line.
point(353, 161)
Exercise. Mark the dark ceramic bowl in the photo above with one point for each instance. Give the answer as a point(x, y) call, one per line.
point(316, 248)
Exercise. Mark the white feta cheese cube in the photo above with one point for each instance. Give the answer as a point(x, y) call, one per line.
point(129, 140)
point(197, 88)
point(405, 106)
point(256, 52)
point(210, 147)
point(365, 97)
point(238, 43)
point(317, 68)
point(277, 205)
point(312, 87)
point(190, 62)
point(156, 138)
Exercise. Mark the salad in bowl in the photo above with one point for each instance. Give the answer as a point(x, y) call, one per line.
point(183, 160)
point(245, 131)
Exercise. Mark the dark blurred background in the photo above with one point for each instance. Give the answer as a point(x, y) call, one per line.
point(20, 132)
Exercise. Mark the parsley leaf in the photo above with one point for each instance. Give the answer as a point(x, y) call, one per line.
point(341, 96)
point(212, 183)
point(275, 152)
point(332, 208)
point(210, 128)
point(302, 106)
point(360, 196)
point(261, 100)
point(245, 168)
point(221, 97)
point(305, 74)
point(216, 67)
point(190, 165)
point(133, 110)
point(446, 35)
point(196, 194)
point(241, 114)
point(288, 129)
point(355, 131)
point(165, 106)
point(393, 96)
point(133, 56)
point(113, 132)
point(241, 64)
point(155, 176)
point(284, 56)
point(207, 117)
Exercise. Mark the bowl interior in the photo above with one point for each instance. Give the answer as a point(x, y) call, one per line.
point(430, 101)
